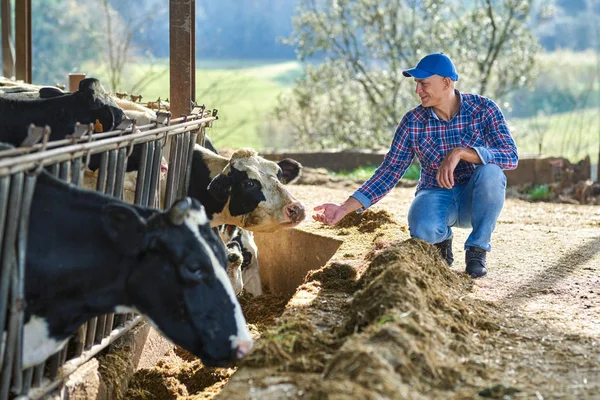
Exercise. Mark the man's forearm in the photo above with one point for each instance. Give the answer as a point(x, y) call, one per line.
point(351, 204)
point(469, 155)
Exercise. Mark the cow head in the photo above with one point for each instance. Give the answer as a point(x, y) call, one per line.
point(179, 279)
point(252, 188)
point(104, 112)
point(234, 266)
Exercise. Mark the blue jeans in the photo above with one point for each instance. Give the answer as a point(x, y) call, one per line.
point(476, 205)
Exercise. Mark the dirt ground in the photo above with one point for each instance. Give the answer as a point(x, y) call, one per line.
point(530, 329)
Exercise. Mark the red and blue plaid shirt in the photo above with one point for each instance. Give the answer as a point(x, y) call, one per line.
point(479, 125)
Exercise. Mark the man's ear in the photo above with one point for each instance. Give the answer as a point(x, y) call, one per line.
point(220, 187)
point(124, 227)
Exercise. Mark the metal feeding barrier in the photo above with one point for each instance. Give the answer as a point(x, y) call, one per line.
point(67, 160)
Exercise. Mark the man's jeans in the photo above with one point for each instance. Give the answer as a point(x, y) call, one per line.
point(476, 204)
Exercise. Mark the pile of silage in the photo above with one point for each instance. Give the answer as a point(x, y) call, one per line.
point(406, 332)
point(181, 375)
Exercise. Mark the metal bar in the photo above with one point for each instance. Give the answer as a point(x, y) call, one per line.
point(91, 333)
point(4, 190)
point(8, 49)
point(110, 175)
point(27, 379)
point(9, 277)
point(139, 183)
point(120, 173)
point(155, 173)
point(99, 335)
point(64, 171)
point(72, 365)
point(79, 339)
point(192, 119)
point(18, 303)
point(188, 170)
point(53, 364)
point(171, 175)
point(110, 319)
point(185, 154)
point(9, 165)
point(53, 170)
point(38, 374)
point(8, 248)
point(147, 175)
point(101, 182)
point(76, 172)
point(23, 40)
point(180, 56)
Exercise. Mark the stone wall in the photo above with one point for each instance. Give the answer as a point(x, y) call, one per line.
point(534, 170)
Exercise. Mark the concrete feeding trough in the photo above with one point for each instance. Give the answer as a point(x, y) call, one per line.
point(286, 256)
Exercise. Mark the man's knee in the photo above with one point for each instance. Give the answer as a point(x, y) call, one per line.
point(430, 233)
point(490, 174)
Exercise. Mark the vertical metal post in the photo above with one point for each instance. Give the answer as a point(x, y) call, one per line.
point(181, 33)
point(23, 60)
point(8, 49)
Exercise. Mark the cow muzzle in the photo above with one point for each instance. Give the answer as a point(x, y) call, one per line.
point(295, 212)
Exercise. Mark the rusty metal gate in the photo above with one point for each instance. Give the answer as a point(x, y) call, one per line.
point(66, 160)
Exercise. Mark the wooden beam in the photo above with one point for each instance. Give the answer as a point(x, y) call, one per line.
point(8, 50)
point(23, 40)
point(182, 55)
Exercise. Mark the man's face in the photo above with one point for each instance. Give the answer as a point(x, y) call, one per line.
point(431, 90)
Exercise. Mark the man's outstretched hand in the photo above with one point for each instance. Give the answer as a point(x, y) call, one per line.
point(332, 213)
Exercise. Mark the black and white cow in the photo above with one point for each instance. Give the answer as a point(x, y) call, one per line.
point(245, 190)
point(235, 258)
point(89, 254)
point(60, 111)
point(248, 278)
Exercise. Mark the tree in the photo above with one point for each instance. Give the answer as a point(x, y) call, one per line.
point(115, 38)
point(356, 94)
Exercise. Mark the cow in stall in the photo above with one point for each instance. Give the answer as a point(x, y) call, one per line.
point(89, 254)
point(235, 258)
point(60, 111)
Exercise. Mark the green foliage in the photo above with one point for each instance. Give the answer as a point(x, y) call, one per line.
point(539, 193)
point(563, 81)
point(357, 95)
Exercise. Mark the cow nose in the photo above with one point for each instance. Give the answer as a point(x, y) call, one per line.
point(295, 212)
point(243, 348)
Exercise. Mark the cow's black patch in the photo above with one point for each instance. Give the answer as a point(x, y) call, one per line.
point(246, 193)
point(198, 189)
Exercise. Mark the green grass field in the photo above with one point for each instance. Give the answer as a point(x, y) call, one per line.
point(245, 93)
point(572, 135)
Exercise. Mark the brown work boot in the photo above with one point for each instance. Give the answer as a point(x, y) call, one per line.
point(445, 249)
point(475, 260)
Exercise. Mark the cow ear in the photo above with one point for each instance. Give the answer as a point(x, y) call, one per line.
point(290, 168)
point(49, 92)
point(219, 187)
point(124, 227)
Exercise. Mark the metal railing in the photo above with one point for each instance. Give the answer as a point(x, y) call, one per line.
point(67, 160)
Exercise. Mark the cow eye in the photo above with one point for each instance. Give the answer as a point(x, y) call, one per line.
point(248, 184)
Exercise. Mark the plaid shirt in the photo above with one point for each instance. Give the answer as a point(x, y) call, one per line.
point(479, 125)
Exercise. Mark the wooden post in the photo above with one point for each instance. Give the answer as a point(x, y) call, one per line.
point(23, 40)
point(74, 80)
point(182, 27)
point(8, 50)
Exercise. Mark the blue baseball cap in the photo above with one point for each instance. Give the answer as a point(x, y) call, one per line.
point(433, 64)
